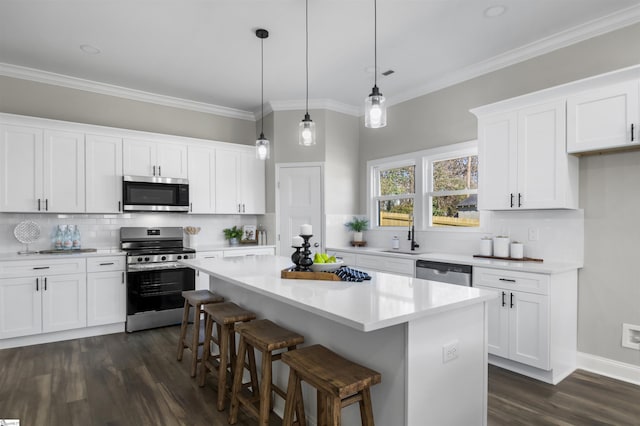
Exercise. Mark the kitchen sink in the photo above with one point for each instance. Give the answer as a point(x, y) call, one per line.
point(402, 252)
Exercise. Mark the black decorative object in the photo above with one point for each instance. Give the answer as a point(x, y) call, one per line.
point(305, 260)
point(295, 258)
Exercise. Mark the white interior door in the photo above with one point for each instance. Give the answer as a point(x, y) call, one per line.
point(299, 199)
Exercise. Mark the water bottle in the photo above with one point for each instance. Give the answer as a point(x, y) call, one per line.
point(67, 239)
point(57, 239)
point(76, 245)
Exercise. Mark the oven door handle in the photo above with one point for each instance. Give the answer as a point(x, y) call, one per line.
point(158, 267)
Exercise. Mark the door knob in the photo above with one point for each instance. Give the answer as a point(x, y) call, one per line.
point(316, 245)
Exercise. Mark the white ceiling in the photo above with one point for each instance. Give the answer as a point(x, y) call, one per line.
point(206, 51)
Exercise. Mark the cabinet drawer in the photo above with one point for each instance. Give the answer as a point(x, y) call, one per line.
point(209, 254)
point(104, 264)
point(511, 280)
point(386, 264)
point(349, 259)
point(34, 268)
point(247, 252)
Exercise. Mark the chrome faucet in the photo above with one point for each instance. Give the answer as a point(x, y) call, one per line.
point(412, 237)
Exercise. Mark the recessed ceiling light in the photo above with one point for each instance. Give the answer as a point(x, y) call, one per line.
point(89, 49)
point(495, 11)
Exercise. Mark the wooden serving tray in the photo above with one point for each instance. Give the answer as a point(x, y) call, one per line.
point(523, 259)
point(301, 275)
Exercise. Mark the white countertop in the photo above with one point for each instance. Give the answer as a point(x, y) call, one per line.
point(226, 246)
point(544, 267)
point(386, 300)
point(71, 253)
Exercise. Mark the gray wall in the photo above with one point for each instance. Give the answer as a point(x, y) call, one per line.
point(609, 290)
point(60, 103)
point(341, 173)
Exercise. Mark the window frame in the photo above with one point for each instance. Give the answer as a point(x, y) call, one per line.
point(423, 180)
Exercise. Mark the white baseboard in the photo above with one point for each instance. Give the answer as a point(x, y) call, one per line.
point(609, 367)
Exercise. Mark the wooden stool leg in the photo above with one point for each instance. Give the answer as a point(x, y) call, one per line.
point(265, 389)
point(206, 349)
point(366, 409)
point(183, 329)
point(302, 420)
point(237, 382)
point(195, 340)
point(335, 411)
point(223, 340)
point(322, 414)
point(253, 372)
point(291, 401)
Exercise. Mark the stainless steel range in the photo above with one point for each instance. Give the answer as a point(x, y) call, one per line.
point(155, 280)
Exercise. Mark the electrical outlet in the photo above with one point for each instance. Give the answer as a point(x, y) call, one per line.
point(450, 351)
point(534, 234)
point(631, 336)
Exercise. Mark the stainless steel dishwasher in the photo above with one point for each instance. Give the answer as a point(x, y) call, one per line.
point(450, 273)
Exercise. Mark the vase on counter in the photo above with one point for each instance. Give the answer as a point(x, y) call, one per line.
point(357, 236)
point(233, 241)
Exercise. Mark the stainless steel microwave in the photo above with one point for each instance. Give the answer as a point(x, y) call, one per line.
point(147, 193)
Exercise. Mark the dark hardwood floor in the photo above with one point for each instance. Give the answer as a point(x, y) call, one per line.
point(134, 379)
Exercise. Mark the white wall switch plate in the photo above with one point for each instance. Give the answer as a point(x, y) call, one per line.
point(631, 336)
point(450, 351)
point(534, 234)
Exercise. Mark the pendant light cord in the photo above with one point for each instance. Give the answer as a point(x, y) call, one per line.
point(262, 84)
point(375, 43)
point(306, 26)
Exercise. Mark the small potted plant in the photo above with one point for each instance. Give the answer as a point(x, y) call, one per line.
point(357, 226)
point(233, 235)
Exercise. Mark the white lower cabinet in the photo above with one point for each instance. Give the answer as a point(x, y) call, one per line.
point(42, 304)
point(106, 290)
point(533, 323)
point(248, 251)
point(388, 264)
point(202, 279)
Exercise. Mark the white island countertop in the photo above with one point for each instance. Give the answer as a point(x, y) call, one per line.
point(385, 300)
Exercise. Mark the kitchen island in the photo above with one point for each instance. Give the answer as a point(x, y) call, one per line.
point(427, 339)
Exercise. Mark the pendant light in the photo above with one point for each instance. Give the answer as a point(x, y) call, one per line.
point(307, 128)
point(262, 143)
point(375, 108)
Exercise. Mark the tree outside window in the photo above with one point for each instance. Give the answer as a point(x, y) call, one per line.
point(454, 194)
point(395, 195)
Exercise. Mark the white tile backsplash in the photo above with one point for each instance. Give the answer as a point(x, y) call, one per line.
point(103, 231)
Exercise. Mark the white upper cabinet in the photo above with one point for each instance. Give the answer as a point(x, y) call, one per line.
point(151, 158)
point(202, 178)
point(103, 158)
point(42, 170)
point(239, 182)
point(606, 118)
point(523, 163)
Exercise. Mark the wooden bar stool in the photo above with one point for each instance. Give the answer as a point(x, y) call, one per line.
point(195, 298)
point(266, 337)
point(339, 383)
point(225, 316)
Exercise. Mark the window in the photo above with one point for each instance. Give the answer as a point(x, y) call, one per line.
point(433, 189)
point(453, 190)
point(394, 195)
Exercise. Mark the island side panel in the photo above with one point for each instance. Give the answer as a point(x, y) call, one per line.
point(454, 392)
point(382, 350)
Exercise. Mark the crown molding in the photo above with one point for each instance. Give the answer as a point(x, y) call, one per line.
point(328, 104)
point(46, 77)
point(594, 28)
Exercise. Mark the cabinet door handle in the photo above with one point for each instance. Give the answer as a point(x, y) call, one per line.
point(119, 206)
point(519, 199)
point(38, 204)
point(41, 267)
point(45, 283)
point(503, 294)
point(242, 207)
point(238, 208)
point(37, 284)
point(632, 137)
point(511, 300)
point(154, 170)
point(507, 280)
point(106, 264)
point(191, 207)
point(46, 204)
point(159, 170)
point(511, 202)
point(123, 278)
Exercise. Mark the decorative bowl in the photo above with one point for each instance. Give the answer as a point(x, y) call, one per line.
point(327, 267)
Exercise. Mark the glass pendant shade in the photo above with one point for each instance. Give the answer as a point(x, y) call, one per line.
point(307, 131)
point(262, 148)
point(375, 110)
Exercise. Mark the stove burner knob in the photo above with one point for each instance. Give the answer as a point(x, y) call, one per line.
point(139, 259)
point(186, 257)
point(164, 258)
point(179, 257)
point(146, 259)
